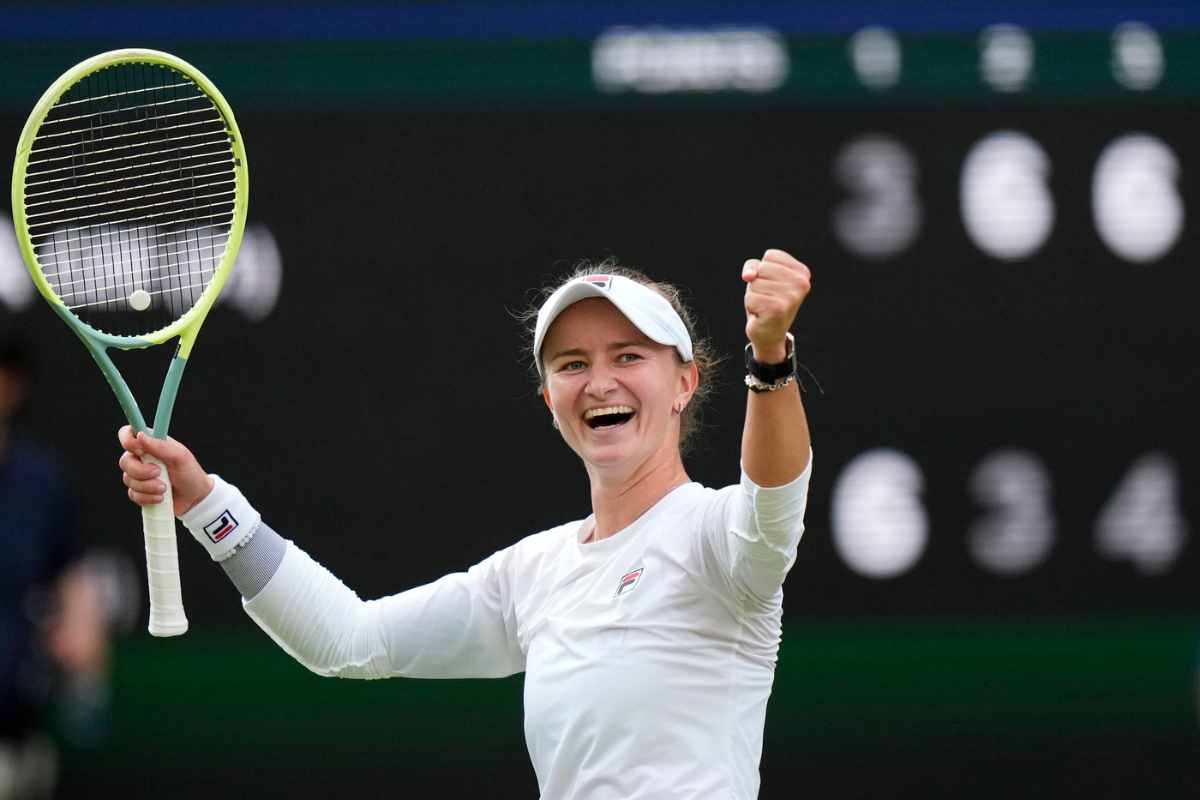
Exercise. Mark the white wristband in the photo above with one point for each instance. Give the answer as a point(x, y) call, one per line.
point(222, 520)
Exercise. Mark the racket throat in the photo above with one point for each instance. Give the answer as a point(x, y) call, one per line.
point(166, 398)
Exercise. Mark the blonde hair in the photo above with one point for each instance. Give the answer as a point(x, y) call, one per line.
point(703, 355)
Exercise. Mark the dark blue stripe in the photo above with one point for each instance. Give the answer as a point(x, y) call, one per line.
point(233, 21)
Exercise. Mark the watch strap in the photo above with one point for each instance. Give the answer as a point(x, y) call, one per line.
point(772, 373)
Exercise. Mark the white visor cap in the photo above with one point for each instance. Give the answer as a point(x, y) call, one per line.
point(649, 311)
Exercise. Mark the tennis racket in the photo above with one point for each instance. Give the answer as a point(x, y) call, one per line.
point(129, 199)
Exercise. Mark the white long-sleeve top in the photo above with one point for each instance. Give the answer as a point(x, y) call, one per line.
point(649, 655)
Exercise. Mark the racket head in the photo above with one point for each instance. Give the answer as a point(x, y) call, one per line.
point(130, 180)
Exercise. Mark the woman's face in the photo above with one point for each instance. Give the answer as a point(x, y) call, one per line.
point(613, 390)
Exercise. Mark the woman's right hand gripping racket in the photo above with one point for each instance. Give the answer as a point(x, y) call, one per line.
point(129, 199)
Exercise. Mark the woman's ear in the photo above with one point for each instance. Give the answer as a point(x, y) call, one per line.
point(549, 405)
point(689, 379)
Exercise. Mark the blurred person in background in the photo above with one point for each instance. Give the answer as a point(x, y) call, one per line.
point(648, 631)
point(54, 649)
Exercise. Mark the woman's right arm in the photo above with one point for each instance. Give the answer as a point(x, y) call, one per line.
point(457, 627)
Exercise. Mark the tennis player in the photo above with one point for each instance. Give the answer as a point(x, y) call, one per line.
point(648, 631)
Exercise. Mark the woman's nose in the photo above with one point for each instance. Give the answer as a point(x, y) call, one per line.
point(601, 382)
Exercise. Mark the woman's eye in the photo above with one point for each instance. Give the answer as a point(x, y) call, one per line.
point(628, 357)
point(571, 366)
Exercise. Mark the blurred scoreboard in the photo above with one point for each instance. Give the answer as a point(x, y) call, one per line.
point(999, 207)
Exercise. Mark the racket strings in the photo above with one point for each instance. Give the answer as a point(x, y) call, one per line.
point(109, 126)
point(61, 105)
point(188, 255)
point(123, 93)
point(114, 181)
point(131, 188)
point(174, 151)
point(95, 131)
point(124, 201)
point(156, 240)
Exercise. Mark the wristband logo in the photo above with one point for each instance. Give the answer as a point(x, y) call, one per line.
point(629, 580)
point(221, 527)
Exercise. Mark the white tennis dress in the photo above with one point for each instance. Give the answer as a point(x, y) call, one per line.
point(649, 655)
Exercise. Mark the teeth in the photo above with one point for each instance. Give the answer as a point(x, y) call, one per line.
point(596, 412)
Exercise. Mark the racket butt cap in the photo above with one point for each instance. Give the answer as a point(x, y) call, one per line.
point(165, 628)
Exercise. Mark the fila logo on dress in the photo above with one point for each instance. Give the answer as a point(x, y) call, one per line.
point(629, 581)
point(221, 527)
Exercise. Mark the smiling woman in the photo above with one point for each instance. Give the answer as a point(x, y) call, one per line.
point(703, 355)
point(647, 630)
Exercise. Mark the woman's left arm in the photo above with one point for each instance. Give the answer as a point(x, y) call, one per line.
point(775, 439)
point(754, 528)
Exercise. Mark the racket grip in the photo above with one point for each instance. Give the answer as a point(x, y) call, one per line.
point(162, 563)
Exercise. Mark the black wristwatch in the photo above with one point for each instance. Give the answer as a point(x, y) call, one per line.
point(762, 377)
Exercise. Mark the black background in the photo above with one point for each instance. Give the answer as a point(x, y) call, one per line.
point(384, 414)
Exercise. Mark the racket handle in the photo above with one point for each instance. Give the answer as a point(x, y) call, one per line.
point(162, 563)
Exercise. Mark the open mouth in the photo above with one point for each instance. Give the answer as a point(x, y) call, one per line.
point(609, 417)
